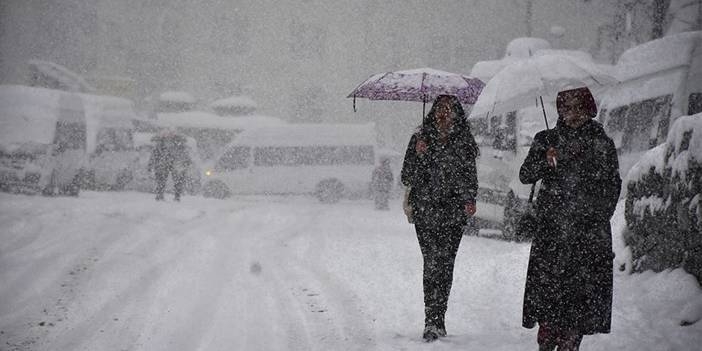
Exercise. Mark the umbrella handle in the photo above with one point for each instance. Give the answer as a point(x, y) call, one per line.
point(544, 111)
point(354, 102)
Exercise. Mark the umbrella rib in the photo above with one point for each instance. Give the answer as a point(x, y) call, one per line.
point(376, 81)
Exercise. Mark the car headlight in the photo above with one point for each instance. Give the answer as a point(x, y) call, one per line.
point(208, 172)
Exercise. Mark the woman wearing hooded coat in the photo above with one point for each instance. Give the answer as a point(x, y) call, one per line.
point(439, 169)
point(569, 279)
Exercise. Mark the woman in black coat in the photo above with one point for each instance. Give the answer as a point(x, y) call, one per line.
point(439, 169)
point(569, 280)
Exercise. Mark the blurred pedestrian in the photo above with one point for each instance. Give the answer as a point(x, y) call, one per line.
point(439, 169)
point(381, 184)
point(568, 288)
point(169, 156)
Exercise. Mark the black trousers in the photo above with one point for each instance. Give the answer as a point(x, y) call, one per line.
point(162, 177)
point(439, 245)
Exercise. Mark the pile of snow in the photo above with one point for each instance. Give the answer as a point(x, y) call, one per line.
point(234, 106)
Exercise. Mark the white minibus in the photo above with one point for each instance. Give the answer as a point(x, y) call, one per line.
point(330, 161)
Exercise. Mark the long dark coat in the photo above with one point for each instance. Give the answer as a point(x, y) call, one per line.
point(569, 279)
point(444, 178)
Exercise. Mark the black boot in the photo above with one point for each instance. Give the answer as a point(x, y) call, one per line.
point(441, 327)
point(431, 333)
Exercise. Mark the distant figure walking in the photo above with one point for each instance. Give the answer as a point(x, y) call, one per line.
point(439, 169)
point(169, 156)
point(569, 280)
point(381, 184)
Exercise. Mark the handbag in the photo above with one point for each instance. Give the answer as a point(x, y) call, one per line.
point(528, 222)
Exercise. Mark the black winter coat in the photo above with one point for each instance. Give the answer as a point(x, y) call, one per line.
point(442, 179)
point(569, 279)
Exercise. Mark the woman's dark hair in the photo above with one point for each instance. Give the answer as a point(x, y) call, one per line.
point(583, 94)
point(461, 128)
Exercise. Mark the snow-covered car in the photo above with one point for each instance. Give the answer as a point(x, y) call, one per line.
point(42, 140)
point(330, 161)
point(144, 180)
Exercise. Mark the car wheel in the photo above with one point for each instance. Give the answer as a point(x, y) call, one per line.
point(329, 191)
point(216, 189)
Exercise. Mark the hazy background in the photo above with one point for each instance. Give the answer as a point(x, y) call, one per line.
point(297, 59)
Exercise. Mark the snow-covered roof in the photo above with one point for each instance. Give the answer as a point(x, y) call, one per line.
point(71, 80)
point(525, 47)
point(177, 96)
point(657, 55)
point(308, 134)
point(202, 119)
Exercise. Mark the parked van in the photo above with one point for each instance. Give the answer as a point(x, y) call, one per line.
point(42, 140)
point(661, 80)
point(331, 161)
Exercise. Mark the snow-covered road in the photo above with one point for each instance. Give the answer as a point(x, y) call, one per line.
point(118, 271)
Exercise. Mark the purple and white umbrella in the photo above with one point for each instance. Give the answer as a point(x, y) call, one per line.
point(421, 85)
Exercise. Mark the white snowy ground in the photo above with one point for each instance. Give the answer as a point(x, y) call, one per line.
point(118, 271)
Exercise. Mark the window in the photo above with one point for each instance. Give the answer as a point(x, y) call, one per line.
point(694, 103)
point(616, 121)
point(70, 136)
point(640, 125)
point(114, 139)
point(313, 155)
point(235, 158)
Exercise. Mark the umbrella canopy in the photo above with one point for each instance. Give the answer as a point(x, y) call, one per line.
point(422, 85)
point(525, 82)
